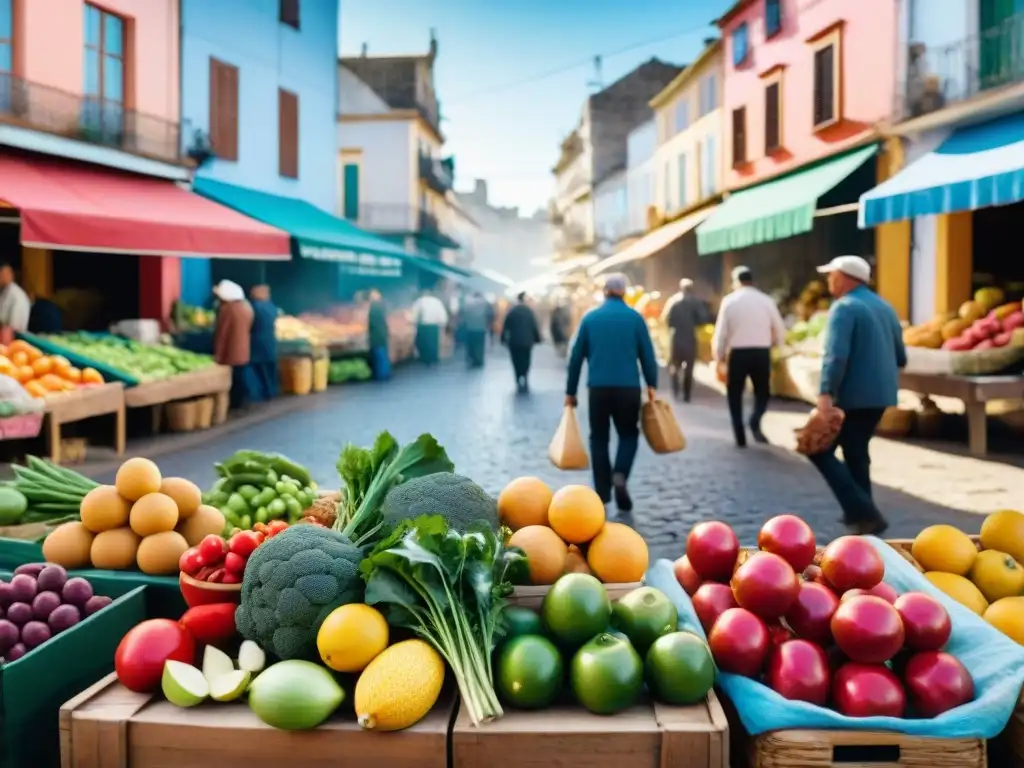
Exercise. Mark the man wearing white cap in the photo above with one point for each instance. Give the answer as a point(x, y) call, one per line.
point(860, 374)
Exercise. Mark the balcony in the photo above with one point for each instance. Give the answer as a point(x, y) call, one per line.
point(943, 75)
point(394, 219)
point(437, 173)
point(41, 108)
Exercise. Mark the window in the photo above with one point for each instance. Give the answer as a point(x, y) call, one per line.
point(288, 12)
point(287, 134)
point(665, 126)
point(104, 72)
point(708, 167)
point(740, 45)
point(681, 170)
point(350, 180)
point(224, 110)
point(772, 117)
point(772, 17)
point(668, 206)
point(708, 94)
point(6, 41)
point(739, 136)
point(826, 91)
point(682, 115)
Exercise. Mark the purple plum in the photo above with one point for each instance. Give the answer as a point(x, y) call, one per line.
point(9, 636)
point(35, 633)
point(44, 604)
point(52, 578)
point(29, 569)
point(96, 603)
point(19, 613)
point(77, 591)
point(25, 587)
point(64, 617)
point(16, 652)
point(6, 594)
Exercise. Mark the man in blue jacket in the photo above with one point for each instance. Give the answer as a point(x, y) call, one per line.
point(263, 360)
point(613, 338)
point(860, 373)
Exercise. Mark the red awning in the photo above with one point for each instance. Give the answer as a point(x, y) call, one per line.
point(71, 207)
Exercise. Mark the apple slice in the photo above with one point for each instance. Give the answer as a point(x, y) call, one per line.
point(251, 657)
point(183, 684)
point(216, 664)
point(230, 686)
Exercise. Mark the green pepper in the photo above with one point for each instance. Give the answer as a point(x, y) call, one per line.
point(248, 492)
point(278, 508)
point(238, 504)
point(262, 515)
point(295, 507)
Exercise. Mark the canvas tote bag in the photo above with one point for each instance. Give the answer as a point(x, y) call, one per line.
point(567, 450)
point(661, 428)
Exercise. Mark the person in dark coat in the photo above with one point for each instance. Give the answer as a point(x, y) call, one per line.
point(560, 322)
point(263, 354)
point(379, 336)
point(44, 317)
point(519, 332)
point(683, 314)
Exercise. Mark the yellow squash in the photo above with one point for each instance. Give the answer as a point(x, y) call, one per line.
point(399, 687)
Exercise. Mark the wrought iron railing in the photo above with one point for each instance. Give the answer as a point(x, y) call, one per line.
point(939, 76)
point(437, 173)
point(90, 119)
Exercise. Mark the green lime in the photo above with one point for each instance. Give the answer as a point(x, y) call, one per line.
point(644, 615)
point(679, 669)
point(530, 672)
point(521, 621)
point(575, 609)
point(606, 675)
point(248, 492)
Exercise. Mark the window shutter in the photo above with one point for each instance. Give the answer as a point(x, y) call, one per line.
point(230, 107)
point(216, 139)
point(739, 136)
point(772, 139)
point(288, 134)
point(224, 110)
point(824, 82)
point(289, 12)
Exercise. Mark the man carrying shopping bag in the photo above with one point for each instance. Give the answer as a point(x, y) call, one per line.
point(613, 339)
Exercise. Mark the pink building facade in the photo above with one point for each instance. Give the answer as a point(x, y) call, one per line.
point(803, 81)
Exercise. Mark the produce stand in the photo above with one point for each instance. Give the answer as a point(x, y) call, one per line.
point(647, 735)
point(215, 381)
point(973, 391)
point(54, 348)
point(85, 403)
point(108, 725)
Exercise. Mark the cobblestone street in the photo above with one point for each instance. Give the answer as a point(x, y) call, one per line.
point(492, 436)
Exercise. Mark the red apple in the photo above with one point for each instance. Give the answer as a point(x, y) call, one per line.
point(711, 549)
point(811, 615)
point(686, 576)
point(141, 655)
point(937, 682)
point(790, 538)
point(925, 621)
point(798, 670)
point(766, 584)
point(710, 601)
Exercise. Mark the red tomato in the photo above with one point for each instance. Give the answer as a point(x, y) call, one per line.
point(142, 653)
point(231, 578)
point(191, 561)
point(234, 564)
point(244, 543)
point(212, 624)
point(275, 527)
point(213, 548)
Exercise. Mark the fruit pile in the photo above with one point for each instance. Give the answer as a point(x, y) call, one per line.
point(144, 362)
point(989, 582)
point(566, 532)
point(144, 520)
point(40, 601)
point(218, 561)
point(985, 322)
point(43, 375)
point(256, 488)
point(834, 635)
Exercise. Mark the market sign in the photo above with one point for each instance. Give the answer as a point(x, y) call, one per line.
point(355, 263)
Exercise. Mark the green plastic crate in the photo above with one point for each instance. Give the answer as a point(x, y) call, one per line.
point(33, 688)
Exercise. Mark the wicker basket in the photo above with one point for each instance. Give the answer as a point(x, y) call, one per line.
point(182, 416)
point(204, 412)
point(896, 422)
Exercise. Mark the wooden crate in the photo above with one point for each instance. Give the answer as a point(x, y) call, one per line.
point(532, 597)
point(85, 403)
point(649, 735)
point(108, 726)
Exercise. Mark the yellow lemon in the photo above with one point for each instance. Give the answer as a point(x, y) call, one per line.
point(351, 637)
point(1007, 615)
point(997, 575)
point(1004, 531)
point(960, 589)
point(944, 548)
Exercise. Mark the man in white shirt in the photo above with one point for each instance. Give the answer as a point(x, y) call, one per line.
point(430, 317)
point(748, 326)
point(15, 306)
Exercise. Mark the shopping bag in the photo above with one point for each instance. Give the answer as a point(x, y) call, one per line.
point(721, 372)
point(661, 427)
point(566, 450)
point(820, 431)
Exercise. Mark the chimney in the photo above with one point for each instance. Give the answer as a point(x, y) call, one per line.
point(480, 190)
point(433, 43)
point(362, 51)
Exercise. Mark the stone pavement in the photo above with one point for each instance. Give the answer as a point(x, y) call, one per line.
point(493, 435)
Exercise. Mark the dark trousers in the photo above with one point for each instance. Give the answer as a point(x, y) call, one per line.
point(521, 357)
point(681, 371)
point(476, 347)
point(264, 380)
point(241, 386)
point(850, 479)
point(380, 363)
point(754, 363)
point(607, 406)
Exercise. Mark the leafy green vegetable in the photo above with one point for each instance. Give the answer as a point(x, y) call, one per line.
point(457, 499)
point(449, 588)
point(368, 475)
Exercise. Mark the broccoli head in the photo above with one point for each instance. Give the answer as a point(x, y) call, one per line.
point(459, 500)
point(292, 582)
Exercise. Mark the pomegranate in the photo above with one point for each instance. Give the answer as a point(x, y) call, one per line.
point(739, 642)
point(710, 601)
point(711, 549)
point(867, 629)
point(685, 575)
point(937, 682)
point(766, 585)
point(868, 690)
point(811, 615)
point(881, 589)
point(852, 562)
point(798, 670)
point(790, 538)
point(925, 621)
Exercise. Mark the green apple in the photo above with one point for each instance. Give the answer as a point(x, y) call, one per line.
point(216, 663)
point(230, 686)
point(183, 684)
point(251, 657)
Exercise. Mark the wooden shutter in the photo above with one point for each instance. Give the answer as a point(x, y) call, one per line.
point(739, 136)
point(289, 12)
point(224, 110)
point(824, 85)
point(288, 134)
point(772, 118)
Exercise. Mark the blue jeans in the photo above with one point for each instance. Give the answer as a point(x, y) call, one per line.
point(380, 363)
point(850, 479)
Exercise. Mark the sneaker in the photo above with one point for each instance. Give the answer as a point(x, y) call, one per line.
point(622, 498)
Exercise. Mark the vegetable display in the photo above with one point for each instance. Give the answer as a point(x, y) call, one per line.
point(145, 362)
point(356, 369)
point(51, 494)
point(257, 488)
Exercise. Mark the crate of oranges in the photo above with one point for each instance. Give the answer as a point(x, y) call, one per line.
point(40, 374)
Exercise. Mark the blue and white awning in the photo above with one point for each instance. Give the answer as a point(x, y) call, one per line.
point(976, 167)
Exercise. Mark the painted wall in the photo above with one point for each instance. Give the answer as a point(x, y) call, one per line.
point(611, 209)
point(867, 30)
point(51, 53)
point(641, 174)
point(388, 172)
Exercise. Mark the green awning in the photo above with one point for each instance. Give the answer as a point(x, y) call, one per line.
point(442, 269)
point(777, 209)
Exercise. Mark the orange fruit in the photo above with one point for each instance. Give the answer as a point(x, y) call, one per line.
point(42, 366)
point(91, 376)
point(33, 353)
point(618, 555)
point(35, 389)
point(18, 345)
point(4, 350)
point(60, 364)
point(524, 502)
point(19, 357)
point(24, 373)
point(6, 366)
point(52, 382)
point(72, 374)
point(545, 552)
point(576, 513)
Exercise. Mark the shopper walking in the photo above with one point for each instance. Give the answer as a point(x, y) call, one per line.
point(613, 339)
point(379, 336)
point(683, 314)
point(232, 339)
point(519, 333)
point(475, 314)
point(860, 374)
point(430, 318)
point(263, 344)
point(748, 326)
point(560, 322)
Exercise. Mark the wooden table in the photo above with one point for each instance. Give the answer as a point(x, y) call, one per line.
point(85, 403)
point(215, 381)
point(974, 392)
